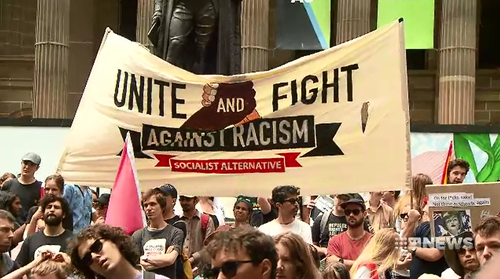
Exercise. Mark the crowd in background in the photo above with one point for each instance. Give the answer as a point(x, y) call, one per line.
point(52, 229)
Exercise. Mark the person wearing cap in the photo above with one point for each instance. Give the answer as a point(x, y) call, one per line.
point(102, 208)
point(26, 186)
point(346, 247)
point(463, 263)
point(331, 223)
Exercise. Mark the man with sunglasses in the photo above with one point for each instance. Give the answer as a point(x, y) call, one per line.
point(242, 253)
point(54, 237)
point(347, 246)
point(106, 251)
point(286, 199)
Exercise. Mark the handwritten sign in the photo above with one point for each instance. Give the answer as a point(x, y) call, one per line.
point(324, 203)
point(456, 200)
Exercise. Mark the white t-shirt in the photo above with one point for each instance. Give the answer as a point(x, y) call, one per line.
point(449, 274)
point(274, 228)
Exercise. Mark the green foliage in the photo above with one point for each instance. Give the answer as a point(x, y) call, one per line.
point(491, 170)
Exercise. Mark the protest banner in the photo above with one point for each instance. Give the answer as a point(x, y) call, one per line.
point(333, 122)
point(455, 208)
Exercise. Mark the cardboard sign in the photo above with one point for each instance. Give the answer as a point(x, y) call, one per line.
point(321, 122)
point(456, 208)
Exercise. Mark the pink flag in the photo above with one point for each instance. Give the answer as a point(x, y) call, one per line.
point(124, 209)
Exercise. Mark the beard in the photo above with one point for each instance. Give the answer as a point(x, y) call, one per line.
point(357, 224)
point(52, 220)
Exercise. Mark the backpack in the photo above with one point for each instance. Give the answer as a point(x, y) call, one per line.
point(204, 224)
point(324, 222)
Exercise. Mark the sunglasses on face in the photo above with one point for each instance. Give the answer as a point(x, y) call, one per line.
point(353, 211)
point(404, 216)
point(95, 248)
point(292, 200)
point(229, 269)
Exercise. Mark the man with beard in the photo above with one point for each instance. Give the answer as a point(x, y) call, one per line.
point(347, 246)
point(457, 171)
point(160, 243)
point(286, 199)
point(6, 235)
point(54, 237)
point(199, 227)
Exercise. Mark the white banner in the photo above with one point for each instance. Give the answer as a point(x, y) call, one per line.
point(333, 122)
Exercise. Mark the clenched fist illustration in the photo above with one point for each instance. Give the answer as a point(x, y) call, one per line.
point(224, 104)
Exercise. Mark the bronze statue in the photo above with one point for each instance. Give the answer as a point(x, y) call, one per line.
point(200, 36)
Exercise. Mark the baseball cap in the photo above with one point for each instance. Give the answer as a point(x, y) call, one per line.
point(169, 190)
point(354, 201)
point(32, 157)
point(103, 199)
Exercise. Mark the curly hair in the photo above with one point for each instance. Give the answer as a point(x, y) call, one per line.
point(116, 235)
point(6, 201)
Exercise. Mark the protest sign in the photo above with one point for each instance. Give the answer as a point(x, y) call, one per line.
point(456, 208)
point(333, 122)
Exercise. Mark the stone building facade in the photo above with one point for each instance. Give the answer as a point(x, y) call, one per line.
point(456, 83)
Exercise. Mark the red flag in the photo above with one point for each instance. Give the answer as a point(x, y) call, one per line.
point(124, 209)
point(444, 179)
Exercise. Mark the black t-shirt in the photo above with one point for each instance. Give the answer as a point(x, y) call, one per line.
point(334, 226)
point(419, 266)
point(67, 221)
point(157, 242)
point(177, 222)
point(39, 242)
point(29, 194)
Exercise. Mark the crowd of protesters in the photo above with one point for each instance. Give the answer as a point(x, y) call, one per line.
point(53, 229)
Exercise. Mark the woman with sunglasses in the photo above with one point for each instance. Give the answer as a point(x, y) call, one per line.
point(295, 258)
point(401, 211)
point(105, 251)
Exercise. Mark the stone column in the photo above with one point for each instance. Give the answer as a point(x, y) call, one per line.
point(457, 62)
point(145, 10)
point(254, 35)
point(353, 19)
point(51, 59)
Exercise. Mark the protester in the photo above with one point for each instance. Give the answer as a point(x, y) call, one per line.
point(6, 177)
point(6, 236)
point(26, 187)
point(457, 171)
point(80, 201)
point(335, 270)
point(380, 215)
point(347, 246)
point(286, 199)
point(244, 251)
point(380, 255)
point(102, 208)
point(487, 239)
point(53, 237)
point(57, 267)
point(242, 211)
point(295, 258)
point(160, 244)
point(207, 205)
point(105, 251)
point(463, 262)
point(11, 202)
point(391, 198)
point(54, 185)
point(199, 227)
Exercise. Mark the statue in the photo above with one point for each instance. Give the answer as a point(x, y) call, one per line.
point(200, 36)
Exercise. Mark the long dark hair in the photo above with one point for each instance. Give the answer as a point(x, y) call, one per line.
point(6, 201)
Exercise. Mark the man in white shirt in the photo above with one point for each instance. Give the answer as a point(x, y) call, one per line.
point(286, 200)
